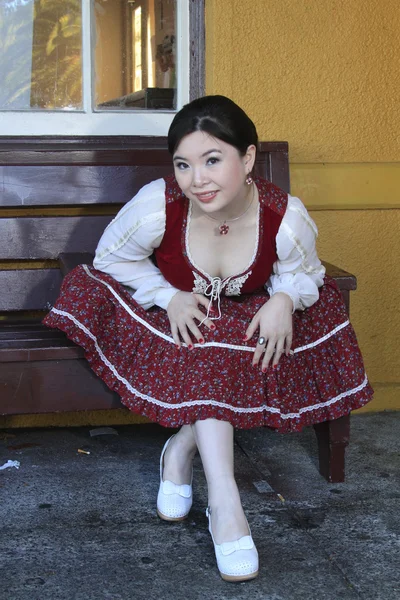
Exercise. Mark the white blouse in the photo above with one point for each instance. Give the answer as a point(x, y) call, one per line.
point(129, 240)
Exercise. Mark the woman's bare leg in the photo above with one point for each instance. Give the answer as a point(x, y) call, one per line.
point(178, 457)
point(215, 443)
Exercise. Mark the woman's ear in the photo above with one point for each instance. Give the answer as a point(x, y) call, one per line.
point(250, 158)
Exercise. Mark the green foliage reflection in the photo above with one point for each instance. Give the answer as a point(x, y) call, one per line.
point(41, 47)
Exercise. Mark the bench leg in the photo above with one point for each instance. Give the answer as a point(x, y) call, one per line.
point(333, 437)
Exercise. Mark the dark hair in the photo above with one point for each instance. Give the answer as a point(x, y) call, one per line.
point(218, 116)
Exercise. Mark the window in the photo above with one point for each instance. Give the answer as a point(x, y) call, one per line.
point(98, 67)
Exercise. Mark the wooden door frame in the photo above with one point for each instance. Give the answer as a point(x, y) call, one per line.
point(197, 48)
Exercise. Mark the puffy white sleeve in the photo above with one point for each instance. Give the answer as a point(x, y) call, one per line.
point(298, 272)
point(129, 240)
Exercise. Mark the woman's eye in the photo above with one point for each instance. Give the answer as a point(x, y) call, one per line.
point(213, 160)
point(181, 166)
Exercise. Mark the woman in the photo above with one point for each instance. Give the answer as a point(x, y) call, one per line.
point(236, 326)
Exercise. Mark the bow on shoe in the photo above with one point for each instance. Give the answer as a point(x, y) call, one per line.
point(245, 543)
point(172, 488)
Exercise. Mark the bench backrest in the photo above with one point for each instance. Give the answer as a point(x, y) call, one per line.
point(58, 195)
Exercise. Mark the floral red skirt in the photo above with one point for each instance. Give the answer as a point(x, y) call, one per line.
point(133, 352)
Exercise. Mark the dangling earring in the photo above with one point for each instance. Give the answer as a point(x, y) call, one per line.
point(249, 179)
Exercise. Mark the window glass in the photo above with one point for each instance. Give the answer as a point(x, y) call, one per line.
point(135, 54)
point(80, 67)
point(40, 54)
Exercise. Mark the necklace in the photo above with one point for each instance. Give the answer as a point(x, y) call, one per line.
point(223, 228)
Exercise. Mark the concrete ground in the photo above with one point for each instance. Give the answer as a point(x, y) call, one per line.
point(80, 526)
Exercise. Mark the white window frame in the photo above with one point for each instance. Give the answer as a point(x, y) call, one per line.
point(88, 122)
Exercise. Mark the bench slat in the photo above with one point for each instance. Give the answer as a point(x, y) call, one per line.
point(344, 280)
point(39, 333)
point(69, 178)
point(40, 341)
point(46, 237)
point(30, 289)
point(39, 352)
point(69, 260)
point(37, 343)
point(52, 386)
point(75, 185)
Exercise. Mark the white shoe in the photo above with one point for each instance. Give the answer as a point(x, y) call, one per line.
point(173, 501)
point(238, 560)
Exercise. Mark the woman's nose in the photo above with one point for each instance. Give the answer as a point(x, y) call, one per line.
point(199, 177)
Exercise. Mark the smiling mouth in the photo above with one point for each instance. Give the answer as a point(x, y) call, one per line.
point(207, 196)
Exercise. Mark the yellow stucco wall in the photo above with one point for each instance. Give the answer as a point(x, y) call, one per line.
point(367, 243)
point(324, 75)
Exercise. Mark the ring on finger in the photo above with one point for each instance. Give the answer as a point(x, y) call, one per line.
point(261, 341)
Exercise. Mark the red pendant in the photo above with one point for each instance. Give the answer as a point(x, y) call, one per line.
point(223, 229)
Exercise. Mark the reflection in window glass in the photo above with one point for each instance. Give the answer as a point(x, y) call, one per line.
point(40, 54)
point(135, 54)
point(137, 48)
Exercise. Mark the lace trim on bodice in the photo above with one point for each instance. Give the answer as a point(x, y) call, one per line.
point(212, 289)
point(233, 285)
point(200, 284)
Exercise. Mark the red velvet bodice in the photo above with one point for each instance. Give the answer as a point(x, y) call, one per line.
point(171, 255)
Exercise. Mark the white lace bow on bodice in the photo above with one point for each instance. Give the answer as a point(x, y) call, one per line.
point(212, 288)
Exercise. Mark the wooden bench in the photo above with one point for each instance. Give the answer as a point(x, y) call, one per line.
point(57, 197)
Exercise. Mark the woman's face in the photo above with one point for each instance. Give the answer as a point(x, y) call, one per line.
point(212, 173)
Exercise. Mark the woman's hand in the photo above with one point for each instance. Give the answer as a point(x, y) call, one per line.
point(182, 310)
point(274, 321)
